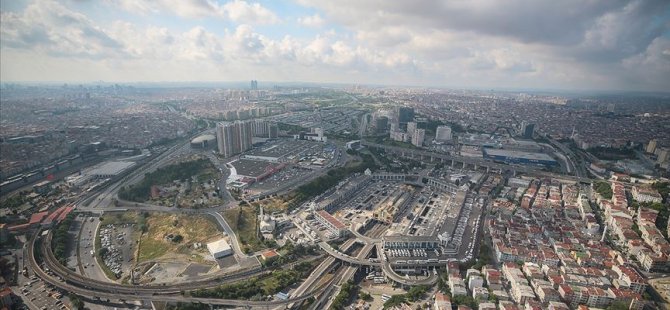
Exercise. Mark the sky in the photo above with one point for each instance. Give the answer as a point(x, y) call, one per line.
point(525, 44)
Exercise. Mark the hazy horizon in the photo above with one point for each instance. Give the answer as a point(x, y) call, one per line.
point(519, 45)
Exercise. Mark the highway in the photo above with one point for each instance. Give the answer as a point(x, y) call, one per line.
point(343, 257)
point(74, 283)
point(318, 272)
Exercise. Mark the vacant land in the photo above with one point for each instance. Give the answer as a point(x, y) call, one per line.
point(113, 218)
point(272, 205)
point(171, 237)
point(243, 220)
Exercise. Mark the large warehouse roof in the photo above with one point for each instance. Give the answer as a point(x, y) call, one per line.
point(218, 246)
point(518, 154)
point(111, 168)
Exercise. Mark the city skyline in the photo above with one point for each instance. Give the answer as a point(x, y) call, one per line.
point(603, 45)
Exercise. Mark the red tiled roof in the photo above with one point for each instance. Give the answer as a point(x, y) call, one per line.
point(38, 217)
point(335, 222)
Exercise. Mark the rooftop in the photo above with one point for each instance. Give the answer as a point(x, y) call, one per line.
point(335, 222)
point(111, 168)
point(517, 154)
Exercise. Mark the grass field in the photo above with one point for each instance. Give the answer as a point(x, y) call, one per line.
point(155, 246)
point(272, 205)
point(243, 220)
point(129, 217)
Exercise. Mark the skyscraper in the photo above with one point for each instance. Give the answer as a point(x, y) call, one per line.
point(234, 137)
point(527, 130)
point(381, 123)
point(651, 147)
point(411, 127)
point(254, 85)
point(405, 114)
point(417, 137)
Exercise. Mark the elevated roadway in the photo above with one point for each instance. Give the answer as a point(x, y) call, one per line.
point(70, 281)
point(346, 258)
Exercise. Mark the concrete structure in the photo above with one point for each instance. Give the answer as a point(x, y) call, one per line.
point(443, 134)
point(646, 194)
point(405, 114)
point(651, 146)
point(518, 157)
point(410, 242)
point(332, 224)
point(219, 248)
point(663, 154)
point(315, 134)
point(264, 129)
point(411, 128)
point(381, 123)
point(4, 233)
point(442, 302)
point(234, 137)
point(203, 141)
point(527, 130)
point(110, 169)
point(418, 136)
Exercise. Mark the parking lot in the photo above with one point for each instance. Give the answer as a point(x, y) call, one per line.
point(38, 295)
point(118, 241)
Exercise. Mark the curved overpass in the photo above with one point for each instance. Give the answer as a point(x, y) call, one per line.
point(389, 272)
point(94, 289)
point(364, 238)
point(353, 260)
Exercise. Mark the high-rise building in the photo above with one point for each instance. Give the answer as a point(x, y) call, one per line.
point(405, 114)
point(651, 146)
point(527, 130)
point(254, 85)
point(663, 154)
point(443, 133)
point(381, 123)
point(417, 137)
point(234, 137)
point(411, 127)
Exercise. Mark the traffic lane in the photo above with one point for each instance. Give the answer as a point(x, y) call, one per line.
point(87, 250)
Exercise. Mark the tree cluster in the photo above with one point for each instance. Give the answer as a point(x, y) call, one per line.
point(346, 291)
point(60, 238)
point(140, 192)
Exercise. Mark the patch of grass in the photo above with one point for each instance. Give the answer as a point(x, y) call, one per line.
point(271, 205)
point(115, 218)
point(155, 245)
point(244, 221)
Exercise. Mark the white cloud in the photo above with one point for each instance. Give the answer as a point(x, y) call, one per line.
point(312, 21)
point(244, 12)
point(239, 11)
point(602, 44)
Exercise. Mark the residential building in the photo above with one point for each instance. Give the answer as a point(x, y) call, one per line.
point(234, 137)
point(442, 302)
point(646, 194)
point(418, 136)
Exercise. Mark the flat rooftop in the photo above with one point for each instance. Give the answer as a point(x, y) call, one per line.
point(280, 148)
point(251, 168)
point(111, 168)
point(332, 220)
point(218, 246)
point(517, 154)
